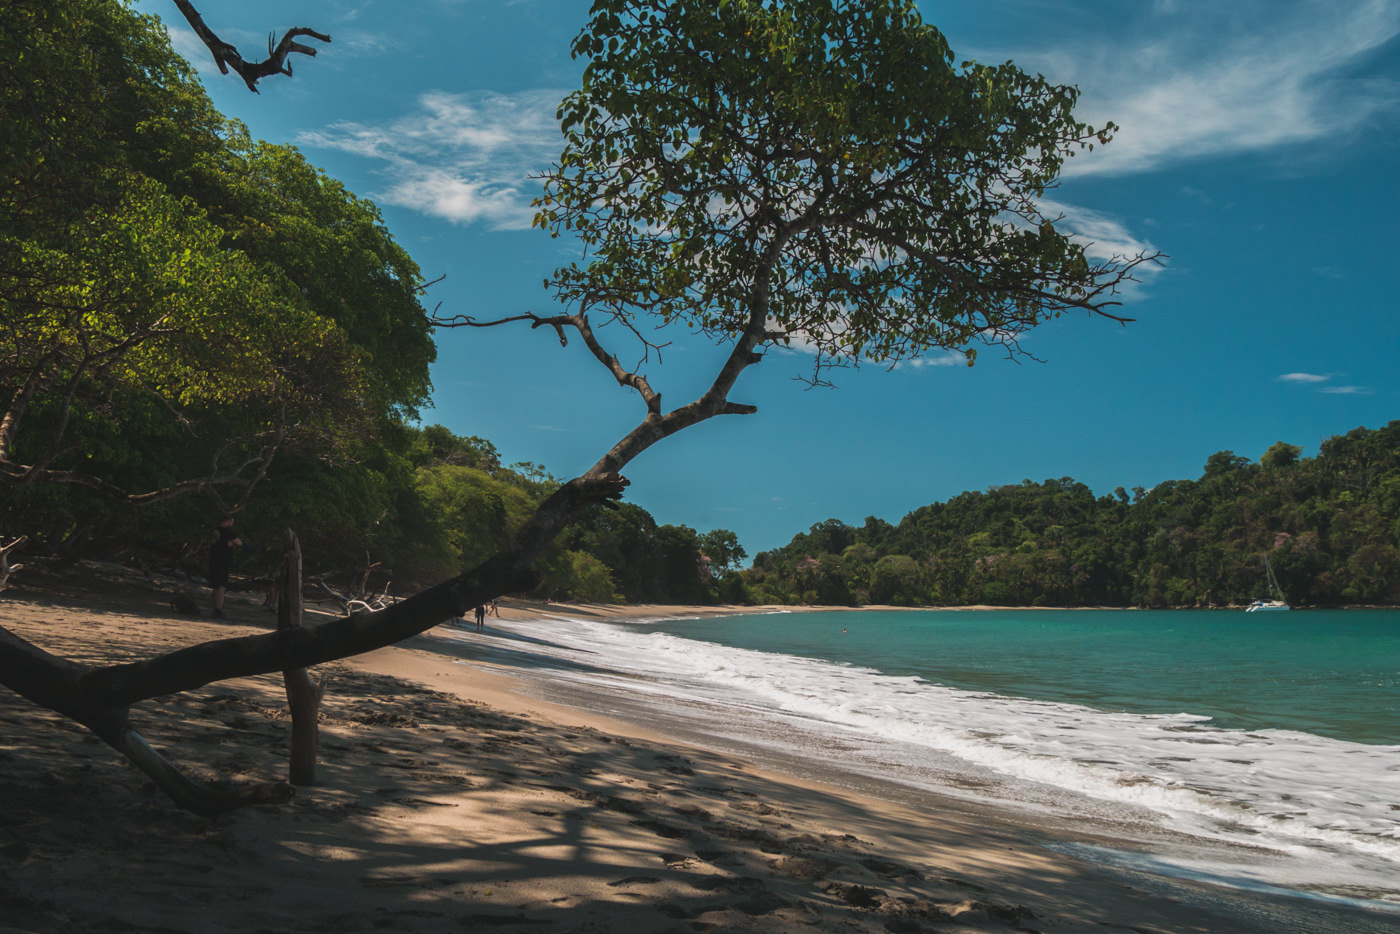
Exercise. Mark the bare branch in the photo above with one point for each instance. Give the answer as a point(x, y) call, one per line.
point(627, 378)
point(423, 287)
point(22, 473)
point(226, 56)
point(6, 568)
point(558, 322)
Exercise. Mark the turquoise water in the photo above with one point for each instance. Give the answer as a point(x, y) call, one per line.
point(1330, 673)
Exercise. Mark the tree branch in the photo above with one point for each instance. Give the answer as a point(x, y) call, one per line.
point(557, 322)
point(89, 695)
point(715, 400)
point(21, 473)
point(6, 568)
point(226, 56)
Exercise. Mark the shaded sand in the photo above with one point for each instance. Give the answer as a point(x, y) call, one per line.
point(448, 802)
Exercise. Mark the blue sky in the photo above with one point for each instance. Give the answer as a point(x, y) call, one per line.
point(1258, 148)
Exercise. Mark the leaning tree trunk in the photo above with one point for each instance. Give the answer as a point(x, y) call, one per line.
point(99, 697)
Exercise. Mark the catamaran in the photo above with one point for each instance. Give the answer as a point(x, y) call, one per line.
point(1275, 600)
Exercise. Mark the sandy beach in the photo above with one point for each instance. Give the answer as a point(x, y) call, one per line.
point(448, 800)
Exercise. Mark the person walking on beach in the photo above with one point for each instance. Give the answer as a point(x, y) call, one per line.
point(480, 617)
point(221, 561)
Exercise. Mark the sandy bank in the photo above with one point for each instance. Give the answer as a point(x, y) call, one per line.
point(448, 801)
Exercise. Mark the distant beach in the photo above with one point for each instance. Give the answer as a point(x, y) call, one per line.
point(454, 796)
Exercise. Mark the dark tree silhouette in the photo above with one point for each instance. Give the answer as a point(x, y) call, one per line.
point(226, 55)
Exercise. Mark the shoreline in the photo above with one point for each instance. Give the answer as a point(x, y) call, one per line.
point(624, 612)
point(452, 796)
point(1102, 842)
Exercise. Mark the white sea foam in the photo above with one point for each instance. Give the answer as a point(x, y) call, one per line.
point(1326, 807)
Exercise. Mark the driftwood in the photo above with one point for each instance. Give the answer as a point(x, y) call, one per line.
point(366, 602)
point(6, 568)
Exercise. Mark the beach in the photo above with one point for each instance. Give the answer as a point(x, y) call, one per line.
point(451, 799)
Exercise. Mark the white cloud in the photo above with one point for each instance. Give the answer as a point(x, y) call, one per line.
point(947, 358)
point(1315, 379)
point(1210, 78)
point(364, 44)
point(464, 158)
point(1103, 237)
point(445, 193)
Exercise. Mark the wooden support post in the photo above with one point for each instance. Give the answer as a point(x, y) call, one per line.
point(303, 694)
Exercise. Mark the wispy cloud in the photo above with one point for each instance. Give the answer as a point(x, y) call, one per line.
point(464, 158)
point(947, 358)
point(1210, 78)
point(1317, 379)
point(364, 44)
point(1196, 194)
point(1102, 236)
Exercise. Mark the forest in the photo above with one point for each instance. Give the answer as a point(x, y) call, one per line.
point(1330, 526)
point(197, 324)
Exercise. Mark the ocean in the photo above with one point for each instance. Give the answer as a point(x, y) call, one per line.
point(1255, 750)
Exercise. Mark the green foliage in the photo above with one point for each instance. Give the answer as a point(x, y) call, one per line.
point(327, 251)
point(723, 550)
point(177, 302)
point(406, 510)
point(1328, 524)
point(476, 511)
point(578, 576)
point(821, 167)
point(1280, 454)
point(898, 580)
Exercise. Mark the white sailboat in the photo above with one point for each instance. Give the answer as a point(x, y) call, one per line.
point(1275, 600)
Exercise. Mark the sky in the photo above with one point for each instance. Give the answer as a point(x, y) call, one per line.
point(1257, 149)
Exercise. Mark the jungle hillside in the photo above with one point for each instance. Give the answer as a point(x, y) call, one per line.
point(1329, 525)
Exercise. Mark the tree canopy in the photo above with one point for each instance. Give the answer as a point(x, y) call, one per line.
point(179, 303)
point(817, 173)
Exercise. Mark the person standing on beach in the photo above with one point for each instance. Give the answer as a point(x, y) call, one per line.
point(221, 561)
point(480, 617)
